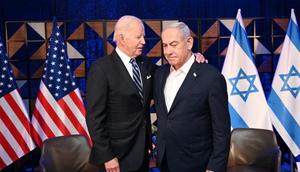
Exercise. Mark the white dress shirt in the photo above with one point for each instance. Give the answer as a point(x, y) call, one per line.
point(175, 80)
point(126, 61)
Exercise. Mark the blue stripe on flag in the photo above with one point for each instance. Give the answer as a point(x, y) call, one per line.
point(294, 34)
point(236, 120)
point(284, 116)
point(240, 36)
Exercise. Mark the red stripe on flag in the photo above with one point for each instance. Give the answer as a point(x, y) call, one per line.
point(14, 131)
point(72, 117)
point(43, 124)
point(15, 107)
point(2, 164)
point(7, 147)
point(53, 114)
point(36, 136)
point(78, 102)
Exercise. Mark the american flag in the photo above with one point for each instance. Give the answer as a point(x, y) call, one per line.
point(15, 139)
point(59, 109)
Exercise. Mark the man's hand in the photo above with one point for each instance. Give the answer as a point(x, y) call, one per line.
point(112, 165)
point(209, 171)
point(200, 58)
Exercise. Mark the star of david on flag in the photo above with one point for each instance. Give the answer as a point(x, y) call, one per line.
point(240, 79)
point(247, 102)
point(283, 99)
point(291, 81)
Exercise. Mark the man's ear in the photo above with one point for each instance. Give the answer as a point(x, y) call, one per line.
point(121, 38)
point(190, 42)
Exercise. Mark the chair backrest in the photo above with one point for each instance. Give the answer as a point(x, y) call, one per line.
point(66, 153)
point(256, 148)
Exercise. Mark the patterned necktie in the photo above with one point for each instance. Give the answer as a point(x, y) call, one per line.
point(137, 79)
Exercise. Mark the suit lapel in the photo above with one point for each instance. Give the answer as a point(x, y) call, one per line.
point(162, 83)
point(123, 72)
point(186, 85)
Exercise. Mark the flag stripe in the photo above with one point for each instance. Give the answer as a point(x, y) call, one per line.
point(70, 101)
point(36, 135)
point(2, 164)
point(17, 111)
point(11, 139)
point(46, 120)
point(71, 116)
point(41, 122)
point(293, 34)
point(236, 119)
point(52, 114)
point(7, 147)
point(14, 131)
point(240, 36)
point(4, 157)
point(75, 111)
point(77, 100)
point(287, 120)
point(284, 134)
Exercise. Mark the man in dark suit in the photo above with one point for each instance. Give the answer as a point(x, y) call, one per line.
point(119, 89)
point(192, 108)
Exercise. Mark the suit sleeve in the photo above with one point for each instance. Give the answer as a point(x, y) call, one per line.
point(97, 90)
point(218, 104)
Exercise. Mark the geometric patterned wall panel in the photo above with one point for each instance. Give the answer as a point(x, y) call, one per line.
point(27, 43)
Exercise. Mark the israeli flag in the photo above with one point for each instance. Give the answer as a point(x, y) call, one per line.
point(284, 98)
point(247, 103)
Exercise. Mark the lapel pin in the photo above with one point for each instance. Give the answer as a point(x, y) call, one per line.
point(194, 74)
point(148, 77)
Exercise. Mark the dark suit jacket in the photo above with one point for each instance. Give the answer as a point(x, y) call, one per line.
point(195, 134)
point(118, 120)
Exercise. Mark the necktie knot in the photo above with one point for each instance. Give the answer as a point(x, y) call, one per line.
point(132, 60)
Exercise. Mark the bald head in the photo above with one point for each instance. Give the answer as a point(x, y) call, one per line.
point(124, 23)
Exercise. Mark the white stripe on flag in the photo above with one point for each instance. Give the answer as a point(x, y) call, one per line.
point(11, 139)
point(4, 156)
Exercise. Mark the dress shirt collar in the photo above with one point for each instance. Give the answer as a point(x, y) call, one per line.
point(125, 58)
point(185, 67)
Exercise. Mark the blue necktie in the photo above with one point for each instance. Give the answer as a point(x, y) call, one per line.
point(137, 76)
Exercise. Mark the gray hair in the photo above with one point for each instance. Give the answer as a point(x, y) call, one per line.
point(123, 24)
point(182, 27)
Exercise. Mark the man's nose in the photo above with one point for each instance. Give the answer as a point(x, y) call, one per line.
point(167, 50)
point(143, 40)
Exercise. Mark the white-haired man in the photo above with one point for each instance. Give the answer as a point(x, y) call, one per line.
point(119, 90)
point(192, 108)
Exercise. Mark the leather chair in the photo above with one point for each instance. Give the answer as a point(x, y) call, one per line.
point(253, 150)
point(66, 153)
